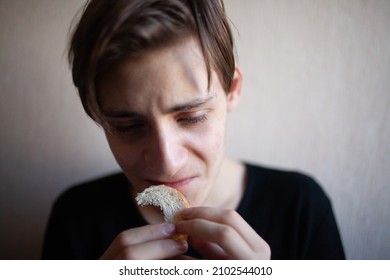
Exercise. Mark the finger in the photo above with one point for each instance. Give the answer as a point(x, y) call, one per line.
point(138, 235)
point(182, 257)
point(225, 236)
point(224, 216)
point(153, 250)
point(207, 250)
point(258, 247)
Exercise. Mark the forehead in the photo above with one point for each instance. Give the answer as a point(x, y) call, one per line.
point(163, 77)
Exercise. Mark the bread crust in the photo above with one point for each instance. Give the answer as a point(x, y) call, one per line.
point(170, 201)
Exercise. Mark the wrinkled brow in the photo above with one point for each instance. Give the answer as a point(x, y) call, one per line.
point(193, 104)
point(198, 102)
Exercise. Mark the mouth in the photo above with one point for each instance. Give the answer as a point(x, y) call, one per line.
point(176, 184)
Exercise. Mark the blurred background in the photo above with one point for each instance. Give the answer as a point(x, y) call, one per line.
point(316, 99)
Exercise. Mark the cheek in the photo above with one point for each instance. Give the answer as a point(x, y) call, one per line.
point(217, 134)
point(217, 143)
point(123, 154)
point(210, 143)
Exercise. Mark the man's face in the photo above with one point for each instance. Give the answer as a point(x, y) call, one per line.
point(166, 126)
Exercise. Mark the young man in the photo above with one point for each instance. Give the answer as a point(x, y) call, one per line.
point(159, 77)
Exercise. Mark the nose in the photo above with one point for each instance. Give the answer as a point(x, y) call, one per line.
point(165, 154)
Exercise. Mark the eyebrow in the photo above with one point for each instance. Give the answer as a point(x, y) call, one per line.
point(193, 104)
point(198, 102)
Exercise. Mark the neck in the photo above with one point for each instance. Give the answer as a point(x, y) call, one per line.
point(229, 186)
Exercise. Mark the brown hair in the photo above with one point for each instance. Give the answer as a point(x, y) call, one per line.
point(112, 30)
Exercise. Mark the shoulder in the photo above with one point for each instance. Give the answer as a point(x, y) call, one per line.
point(86, 217)
point(286, 187)
point(282, 180)
point(92, 192)
point(292, 213)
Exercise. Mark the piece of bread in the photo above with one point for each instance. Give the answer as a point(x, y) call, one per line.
point(170, 201)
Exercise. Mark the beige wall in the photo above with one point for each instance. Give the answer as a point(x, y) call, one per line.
point(316, 99)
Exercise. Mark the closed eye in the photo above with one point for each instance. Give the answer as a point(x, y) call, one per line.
point(133, 128)
point(193, 120)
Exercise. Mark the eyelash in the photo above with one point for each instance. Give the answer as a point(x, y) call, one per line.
point(134, 128)
point(126, 129)
point(194, 120)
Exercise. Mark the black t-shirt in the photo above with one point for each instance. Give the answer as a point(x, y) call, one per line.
point(287, 209)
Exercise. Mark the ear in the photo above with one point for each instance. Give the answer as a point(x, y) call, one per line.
point(234, 94)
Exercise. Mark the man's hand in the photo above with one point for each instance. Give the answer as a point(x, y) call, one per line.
point(221, 234)
point(147, 242)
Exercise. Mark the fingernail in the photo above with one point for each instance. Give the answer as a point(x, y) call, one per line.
point(168, 229)
point(182, 245)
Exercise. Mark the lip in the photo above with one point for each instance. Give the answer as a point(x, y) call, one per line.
point(173, 184)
